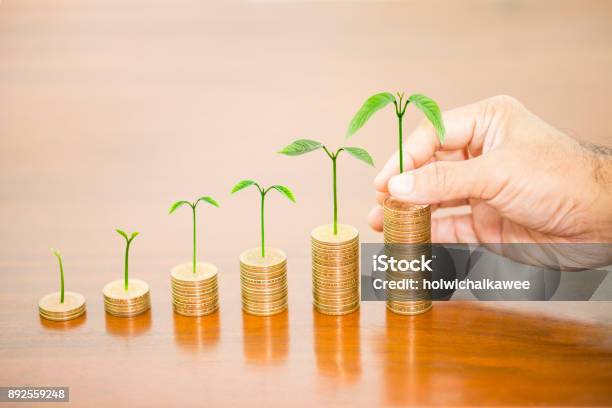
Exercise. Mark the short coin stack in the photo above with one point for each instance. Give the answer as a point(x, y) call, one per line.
point(263, 281)
point(126, 303)
point(51, 308)
point(194, 294)
point(335, 269)
point(407, 231)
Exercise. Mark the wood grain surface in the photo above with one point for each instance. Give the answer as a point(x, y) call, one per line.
point(110, 110)
point(460, 353)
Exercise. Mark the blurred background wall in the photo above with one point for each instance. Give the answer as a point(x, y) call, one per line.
point(111, 110)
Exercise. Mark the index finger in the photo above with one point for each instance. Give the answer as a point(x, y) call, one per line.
point(465, 128)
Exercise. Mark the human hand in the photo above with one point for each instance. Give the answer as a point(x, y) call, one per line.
point(524, 181)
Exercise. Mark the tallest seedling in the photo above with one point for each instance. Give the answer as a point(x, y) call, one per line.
point(376, 102)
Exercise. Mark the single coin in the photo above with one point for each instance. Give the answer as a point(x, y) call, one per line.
point(252, 257)
point(184, 272)
point(393, 204)
point(269, 312)
point(325, 233)
point(409, 308)
point(116, 290)
point(195, 313)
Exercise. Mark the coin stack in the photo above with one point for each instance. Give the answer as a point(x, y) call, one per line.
point(335, 269)
point(126, 303)
point(407, 234)
point(263, 281)
point(51, 308)
point(194, 293)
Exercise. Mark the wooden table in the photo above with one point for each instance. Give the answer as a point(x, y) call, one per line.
point(460, 353)
point(110, 110)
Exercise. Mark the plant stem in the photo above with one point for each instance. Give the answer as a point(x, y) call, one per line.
point(193, 207)
point(401, 142)
point(125, 277)
point(335, 196)
point(263, 238)
point(61, 279)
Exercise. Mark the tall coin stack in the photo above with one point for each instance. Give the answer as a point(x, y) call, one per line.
point(335, 269)
point(51, 308)
point(126, 303)
point(407, 234)
point(194, 293)
point(263, 281)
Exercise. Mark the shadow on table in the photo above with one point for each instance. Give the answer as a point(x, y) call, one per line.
point(265, 338)
point(337, 346)
point(128, 326)
point(196, 334)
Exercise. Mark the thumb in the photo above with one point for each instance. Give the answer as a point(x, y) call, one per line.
point(447, 180)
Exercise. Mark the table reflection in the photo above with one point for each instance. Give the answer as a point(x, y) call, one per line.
point(265, 338)
point(128, 326)
point(337, 346)
point(406, 354)
point(196, 334)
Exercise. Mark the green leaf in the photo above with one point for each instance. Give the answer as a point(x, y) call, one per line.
point(242, 184)
point(134, 235)
point(177, 205)
point(301, 146)
point(359, 153)
point(284, 191)
point(209, 200)
point(432, 111)
point(370, 107)
point(122, 233)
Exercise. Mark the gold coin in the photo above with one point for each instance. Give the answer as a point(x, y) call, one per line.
point(50, 307)
point(409, 308)
point(195, 313)
point(269, 312)
point(325, 233)
point(184, 272)
point(126, 303)
point(263, 281)
point(252, 258)
point(115, 290)
point(345, 309)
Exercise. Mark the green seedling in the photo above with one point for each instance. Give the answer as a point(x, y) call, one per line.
point(128, 241)
point(58, 255)
point(304, 146)
point(376, 102)
point(193, 206)
point(262, 192)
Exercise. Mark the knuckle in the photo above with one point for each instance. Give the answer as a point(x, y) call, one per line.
point(505, 101)
point(425, 126)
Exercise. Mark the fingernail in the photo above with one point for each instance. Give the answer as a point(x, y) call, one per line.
point(401, 184)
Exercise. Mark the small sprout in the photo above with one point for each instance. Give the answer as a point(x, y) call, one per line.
point(193, 206)
point(58, 255)
point(304, 146)
point(376, 102)
point(262, 192)
point(128, 241)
